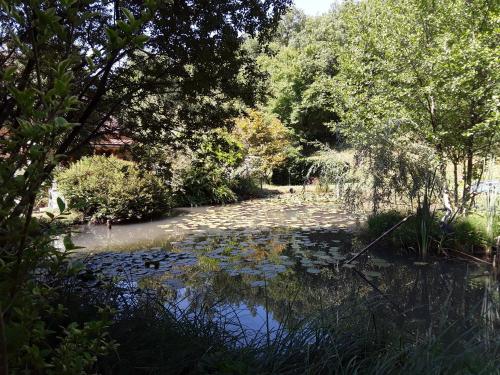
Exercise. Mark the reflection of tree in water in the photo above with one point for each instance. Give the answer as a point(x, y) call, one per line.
point(429, 296)
point(253, 270)
point(490, 310)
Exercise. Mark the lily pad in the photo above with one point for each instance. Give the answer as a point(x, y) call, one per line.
point(313, 270)
point(372, 273)
point(257, 283)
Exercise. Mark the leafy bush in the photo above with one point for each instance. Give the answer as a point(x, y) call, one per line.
point(246, 187)
point(265, 140)
point(207, 177)
point(109, 188)
point(380, 222)
point(470, 233)
point(409, 235)
point(203, 185)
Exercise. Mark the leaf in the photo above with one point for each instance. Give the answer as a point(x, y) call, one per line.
point(313, 270)
point(372, 273)
point(60, 204)
point(60, 122)
point(129, 15)
point(7, 75)
point(141, 39)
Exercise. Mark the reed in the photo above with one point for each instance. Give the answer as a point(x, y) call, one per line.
point(155, 336)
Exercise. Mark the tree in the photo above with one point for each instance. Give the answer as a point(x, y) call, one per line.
point(265, 140)
point(83, 62)
point(302, 67)
point(68, 67)
point(427, 68)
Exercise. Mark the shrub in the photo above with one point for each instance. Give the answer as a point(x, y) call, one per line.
point(109, 188)
point(470, 233)
point(380, 222)
point(266, 142)
point(409, 234)
point(246, 187)
point(203, 185)
point(207, 177)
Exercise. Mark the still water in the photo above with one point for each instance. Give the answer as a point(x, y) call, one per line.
point(267, 264)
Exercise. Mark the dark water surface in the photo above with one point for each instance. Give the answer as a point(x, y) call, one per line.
point(267, 264)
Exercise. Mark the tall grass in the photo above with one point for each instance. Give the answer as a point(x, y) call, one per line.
point(420, 234)
point(475, 232)
point(155, 336)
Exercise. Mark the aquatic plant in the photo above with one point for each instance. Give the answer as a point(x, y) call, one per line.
point(472, 232)
point(421, 233)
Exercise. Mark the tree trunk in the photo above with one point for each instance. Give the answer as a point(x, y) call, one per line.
point(445, 195)
point(468, 174)
point(455, 181)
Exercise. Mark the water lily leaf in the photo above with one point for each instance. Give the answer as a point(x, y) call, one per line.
point(313, 270)
point(372, 273)
point(380, 262)
point(258, 283)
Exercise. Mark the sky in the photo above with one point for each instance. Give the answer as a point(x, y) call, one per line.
point(314, 7)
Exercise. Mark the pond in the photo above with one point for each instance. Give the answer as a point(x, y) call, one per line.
point(267, 264)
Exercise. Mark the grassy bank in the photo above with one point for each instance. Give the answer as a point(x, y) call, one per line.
point(470, 233)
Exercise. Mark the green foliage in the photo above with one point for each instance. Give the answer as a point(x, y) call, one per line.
point(379, 223)
point(175, 344)
point(34, 327)
point(423, 69)
point(266, 142)
point(470, 233)
point(293, 171)
point(418, 231)
point(400, 167)
point(208, 176)
point(245, 187)
point(67, 68)
point(203, 184)
point(330, 168)
point(109, 188)
point(302, 69)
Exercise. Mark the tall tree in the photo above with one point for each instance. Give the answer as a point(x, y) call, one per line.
point(67, 68)
point(302, 67)
point(427, 68)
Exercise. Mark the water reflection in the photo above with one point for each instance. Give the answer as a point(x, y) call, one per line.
point(272, 270)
